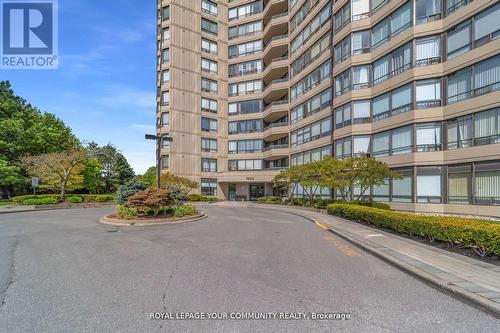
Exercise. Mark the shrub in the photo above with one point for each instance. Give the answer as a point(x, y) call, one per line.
point(74, 199)
point(126, 213)
point(304, 202)
point(40, 201)
point(99, 197)
point(209, 199)
point(166, 211)
point(152, 198)
point(128, 189)
point(149, 211)
point(194, 197)
point(21, 198)
point(477, 234)
point(185, 210)
point(271, 199)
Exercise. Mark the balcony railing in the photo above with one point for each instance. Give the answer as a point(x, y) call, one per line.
point(276, 125)
point(276, 103)
point(271, 147)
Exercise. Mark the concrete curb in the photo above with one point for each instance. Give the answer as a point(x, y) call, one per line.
point(153, 222)
point(449, 288)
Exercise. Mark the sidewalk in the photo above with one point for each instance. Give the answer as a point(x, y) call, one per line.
point(474, 281)
point(15, 209)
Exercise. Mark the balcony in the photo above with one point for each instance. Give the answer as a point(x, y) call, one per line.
point(275, 68)
point(277, 25)
point(276, 151)
point(276, 131)
point(275, 90)
point(275, 111)
point(276, 47)
point(273, 8)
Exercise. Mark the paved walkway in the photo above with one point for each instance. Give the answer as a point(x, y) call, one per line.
point(467, 278)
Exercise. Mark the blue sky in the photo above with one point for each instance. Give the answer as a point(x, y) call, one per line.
point(104, 88)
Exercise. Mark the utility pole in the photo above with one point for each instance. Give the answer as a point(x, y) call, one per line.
point(159, 139)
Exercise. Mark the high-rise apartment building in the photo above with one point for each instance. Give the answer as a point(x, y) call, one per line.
point(247, 88)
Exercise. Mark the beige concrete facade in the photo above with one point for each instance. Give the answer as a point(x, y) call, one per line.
point(273, 60)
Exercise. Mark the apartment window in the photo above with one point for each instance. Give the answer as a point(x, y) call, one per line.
point(342, 50)
point(245, 29)
point(402, 99)
point(209, 7)
point(165, 98)
point(452, 5)
point(311, 106)
point(361, 42)
point(245, 48)
point(429, 185)
point(209, 145)
point(245, 146)
point(245, 88)
point(209, 26)
point(208, 125)
point(343, 148)
point(208, 105)
point(165, 13)
point(381, 192)
point(311, 132)
point(314, 25)
point(381, 144)
point(343, 17)
point(311, 80)
point(320, 46)
point(208, 165)
point(401, 19)
point(361, 77)
point(380, 33)
point(245, 10)
point(428, 93)
point(460, 184)
point(343, 116)
point(164, 162)
point(166, 34)
point(302, 13)
point(209, 187)
point(459, 86)
point(381, 69)
point(244, 68)
point(360, 9)
point(402, 189)
point(165, 76)
point(487, 127)
point(245, 107)
point(208, 46)
point(165, 119)
point(487, 183)
point(376, 4)
point(459, 40)
point(428, 137)
point(459, 133)
point(166, 56)
point(244, 165)
point(343, 83)
point(402, 140)
point(208, 85)
point(209, 66)
point(311, 155)
point(381, 107)
point(245, 126)
point(487, 25)
point(487, 76)
point(361, 112)
point(361, 145)
point(165, 143)
point(427, 10)
point(401, 59)
point(428, 50)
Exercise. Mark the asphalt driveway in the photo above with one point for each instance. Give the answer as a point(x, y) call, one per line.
point(61, 271)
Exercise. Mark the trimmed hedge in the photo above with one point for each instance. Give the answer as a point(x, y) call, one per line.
point(74, 199)
point(271, 199)
point(206, 198)
point(194, 197)
point(86, 197)
point(40, 201)
point(476, 234)
point(185, 210)
point(321, 203)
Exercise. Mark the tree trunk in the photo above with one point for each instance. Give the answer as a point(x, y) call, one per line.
point(63, 189)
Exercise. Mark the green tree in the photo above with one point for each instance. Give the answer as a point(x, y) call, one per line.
point(149, 177)
point(10, 176)
point(61, 170)
point(92, 171)
point(121, 171)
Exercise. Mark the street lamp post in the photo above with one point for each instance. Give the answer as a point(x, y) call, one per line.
point(158, 139)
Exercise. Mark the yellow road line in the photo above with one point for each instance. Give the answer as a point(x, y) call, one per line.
point(321, 226)
point(342, 247)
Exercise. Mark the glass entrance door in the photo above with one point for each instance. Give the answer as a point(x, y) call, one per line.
point(257, 191)
point(231, 192)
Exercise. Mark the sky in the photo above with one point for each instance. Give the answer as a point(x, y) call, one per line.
point(105, 86)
